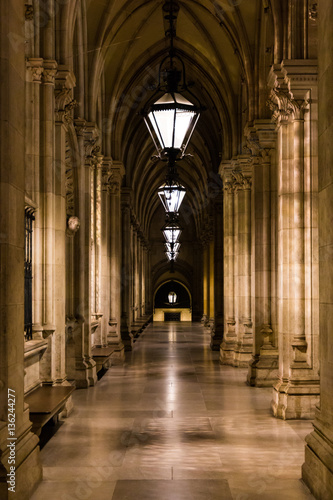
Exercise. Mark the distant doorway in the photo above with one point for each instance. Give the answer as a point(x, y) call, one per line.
point(172, 302)
point(172, 316)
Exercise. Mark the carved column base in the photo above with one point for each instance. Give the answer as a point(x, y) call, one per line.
point(242, 355)
point(227, 352)
point(317, 471)
point(28, 468)
point(263, 369)
point(85, 373)
point(295, 399)
point(228, 346)
point(205, 321)
point(243, 350)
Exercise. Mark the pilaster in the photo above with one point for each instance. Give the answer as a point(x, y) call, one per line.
point(127, 270)
point(263, 367)
point(117, 172)
point(227, 351)
point(217, 330)
point(294, 102)
point(317, 470)
point(242, 179)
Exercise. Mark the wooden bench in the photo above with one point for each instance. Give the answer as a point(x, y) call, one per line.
point(45, 402)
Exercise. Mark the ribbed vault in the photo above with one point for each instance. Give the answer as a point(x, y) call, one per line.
point(217, 41)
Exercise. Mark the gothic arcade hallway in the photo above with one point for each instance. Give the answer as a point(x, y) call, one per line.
point(174, 424)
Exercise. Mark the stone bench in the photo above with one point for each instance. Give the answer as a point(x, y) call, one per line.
point(102, 356)
point(45, 403)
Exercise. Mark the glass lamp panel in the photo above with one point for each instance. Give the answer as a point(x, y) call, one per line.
point(163, 123)
point(183, 121)
point(172, 248)
point(171, 234)
point(172, 118)
point(171, 255)
point(171, 197)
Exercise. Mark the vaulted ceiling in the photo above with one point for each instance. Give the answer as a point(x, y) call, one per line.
point(217, 40)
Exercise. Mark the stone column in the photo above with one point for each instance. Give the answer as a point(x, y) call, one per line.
point(318, 466)
point(127, 270)
point(12, 185)
point(34, 79)
point(105, 291)
point(242, 174)
point(96, 243)
point(46, 219)
point(263, 368)
point(227, 352)
point(205, 292)
point(218, 328)
point(294, 101)
point(65, 81)
point(136, 268)
point(115, 257)
point(142, 283)
point(211, 272)
point(83, 367)
point(148, 299)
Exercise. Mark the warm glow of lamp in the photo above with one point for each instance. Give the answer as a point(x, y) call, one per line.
point(171, 121)
point(171, 195)
point(171, 231)
point(172, 247)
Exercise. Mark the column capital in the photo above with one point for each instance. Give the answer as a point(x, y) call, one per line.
point(117, 172)
point(35, 69)
point(126, 198)
point(49, 71)
point(64, 102)
point(90, 133)
point(292, 83)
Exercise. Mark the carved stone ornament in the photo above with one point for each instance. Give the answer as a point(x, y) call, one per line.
point(64, 105)
point(29, 12)
point(35, 69)
point(280, 102)
point(73, 225)
point(313, 12)
point(106, 178)
point(49, 76)
point(114, 187)
point(229, 187)
point(241, 182)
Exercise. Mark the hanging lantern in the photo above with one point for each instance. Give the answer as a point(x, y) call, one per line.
point(172, 255)
point(172, 247)
point(171, 195)
point(171, 231)
point(171, 121)
point(172, 297)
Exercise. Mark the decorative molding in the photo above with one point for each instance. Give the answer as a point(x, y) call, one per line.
point(229, 187)
point(50, 71)
point(35, 69)
point(313, 11)
point(241, 182)
point(80, 126)
point(106, 177)
point(73, 225)
point(64, 105)
point(29, 12)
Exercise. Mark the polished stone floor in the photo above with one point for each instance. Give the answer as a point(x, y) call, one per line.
point(173, 424)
